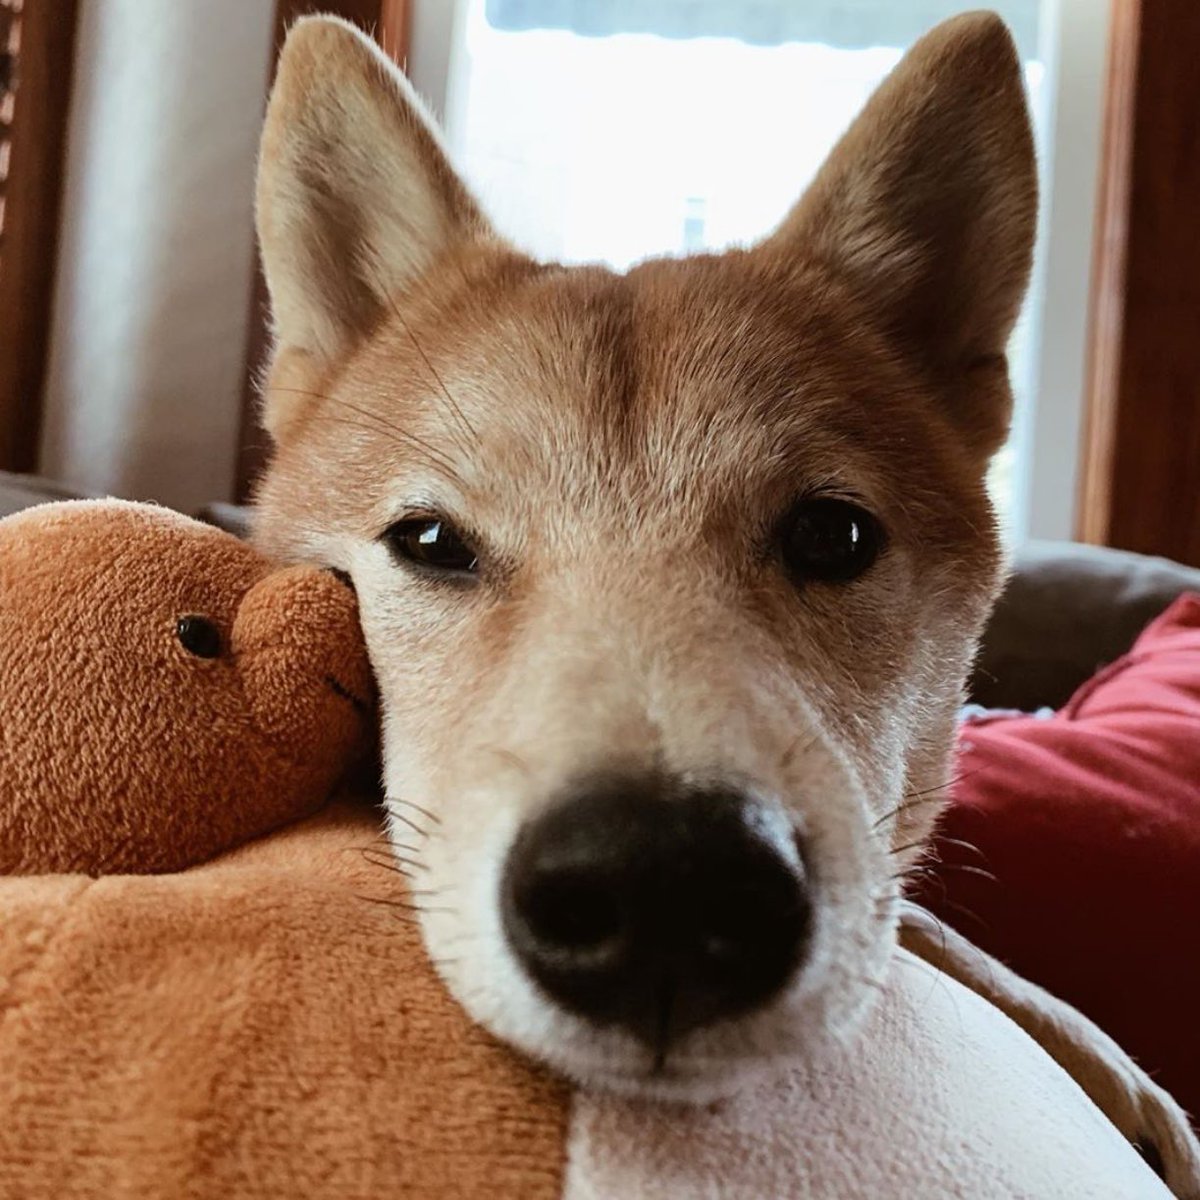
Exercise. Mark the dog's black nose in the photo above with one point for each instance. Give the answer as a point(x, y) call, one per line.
point(654, 906)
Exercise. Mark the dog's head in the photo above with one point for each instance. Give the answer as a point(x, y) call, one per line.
point(670, 579)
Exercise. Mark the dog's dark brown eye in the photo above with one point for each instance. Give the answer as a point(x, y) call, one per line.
point(198, 636)
point(830, 540)
point(433, 543)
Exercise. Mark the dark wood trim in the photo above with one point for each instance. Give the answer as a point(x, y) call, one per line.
point(32, 201)
point(1140, 486)
point(389, 21)
point(1108, 275)
point(395, 28)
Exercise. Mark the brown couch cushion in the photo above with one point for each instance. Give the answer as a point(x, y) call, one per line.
point(24, 491)
point(1068, 610)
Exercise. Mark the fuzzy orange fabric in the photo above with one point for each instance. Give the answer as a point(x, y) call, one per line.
point(266, 1025)
point(122, 750)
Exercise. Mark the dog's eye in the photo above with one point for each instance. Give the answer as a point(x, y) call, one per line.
point(433, 543)
point(830, 540)
point(198, 636)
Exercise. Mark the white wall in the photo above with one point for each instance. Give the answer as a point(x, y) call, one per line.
point(155, 259)
point(1049, 432)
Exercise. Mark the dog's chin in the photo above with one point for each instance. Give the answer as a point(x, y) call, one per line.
point(678, 1079)
point(708, 1066)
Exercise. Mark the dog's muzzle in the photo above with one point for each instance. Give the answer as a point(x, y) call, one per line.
point(659, 907)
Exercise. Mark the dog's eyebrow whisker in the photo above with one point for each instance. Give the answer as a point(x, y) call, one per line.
point(403, 435)
point(436, 464)
point(457, 412)
point(374, 423)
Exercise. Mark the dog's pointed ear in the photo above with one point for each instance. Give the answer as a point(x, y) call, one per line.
point(927, 208)
point(355, 197)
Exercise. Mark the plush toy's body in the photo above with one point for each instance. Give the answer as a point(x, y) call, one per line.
point(268, 1025)
point(165, 692)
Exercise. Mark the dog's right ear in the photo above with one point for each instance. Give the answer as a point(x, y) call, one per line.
point(356, 197)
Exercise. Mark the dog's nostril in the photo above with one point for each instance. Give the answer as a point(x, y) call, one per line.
point(572, 909)
point(653, 906)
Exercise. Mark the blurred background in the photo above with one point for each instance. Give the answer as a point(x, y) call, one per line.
point(132, 318)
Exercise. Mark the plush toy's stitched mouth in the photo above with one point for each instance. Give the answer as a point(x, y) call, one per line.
point(346, 694)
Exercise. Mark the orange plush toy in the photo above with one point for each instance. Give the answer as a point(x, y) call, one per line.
point(166, 693)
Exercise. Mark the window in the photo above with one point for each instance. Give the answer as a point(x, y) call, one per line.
point(611, 130)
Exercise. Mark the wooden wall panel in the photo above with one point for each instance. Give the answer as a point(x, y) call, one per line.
point(37, 40)
point(1141, 478)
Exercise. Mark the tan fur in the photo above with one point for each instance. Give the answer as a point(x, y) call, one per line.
point(621, 447)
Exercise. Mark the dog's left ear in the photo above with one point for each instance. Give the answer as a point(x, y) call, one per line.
point(927, 208)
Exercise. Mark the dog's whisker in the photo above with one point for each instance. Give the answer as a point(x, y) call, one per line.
point(385, 903)
point(951, 841)
point(878, 984)
point(963, 911)
point(968, 869)
point(398, 816)
point(923, 845)
point(802, 745)
point(387, 857)
point(415, 807)
point(919, 800)
point(927, 796)
point(941, 787)
point(510, 757)
point(416, 864)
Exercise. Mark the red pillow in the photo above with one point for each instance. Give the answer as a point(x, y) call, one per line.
point(1090, 822)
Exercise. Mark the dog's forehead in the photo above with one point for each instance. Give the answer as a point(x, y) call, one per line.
point(706, 368)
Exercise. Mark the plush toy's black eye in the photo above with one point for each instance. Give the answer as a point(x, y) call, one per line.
point(432, 543)
point(830, 540)
point(198, 636)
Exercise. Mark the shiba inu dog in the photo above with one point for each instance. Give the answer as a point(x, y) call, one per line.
point(671, 579)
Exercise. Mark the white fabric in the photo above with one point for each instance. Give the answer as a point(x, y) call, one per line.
point(941, 1097)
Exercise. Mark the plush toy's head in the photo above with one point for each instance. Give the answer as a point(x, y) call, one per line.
point(165, 691)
